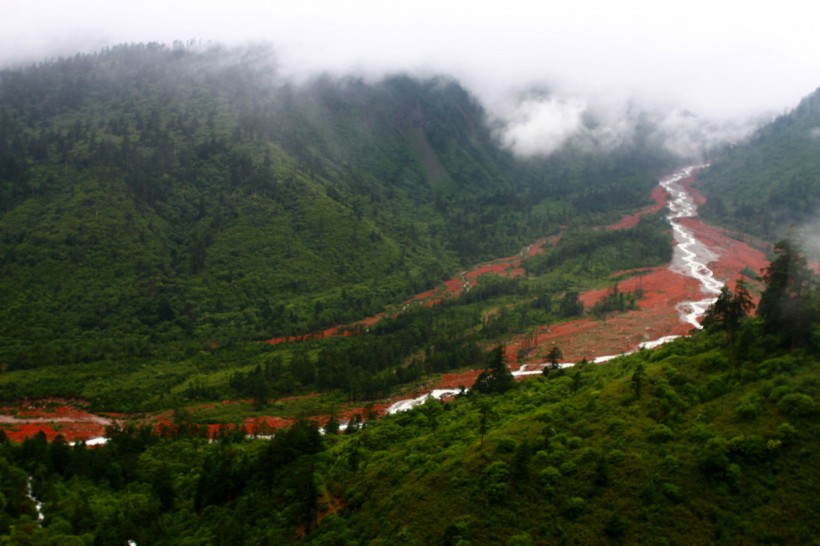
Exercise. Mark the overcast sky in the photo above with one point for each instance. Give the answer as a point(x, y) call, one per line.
point(718, 59)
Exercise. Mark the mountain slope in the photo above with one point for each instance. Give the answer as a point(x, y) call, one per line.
point(154, 196)
point(695, 442)
point(770, 184)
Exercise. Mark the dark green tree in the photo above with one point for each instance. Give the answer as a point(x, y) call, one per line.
point(637, 380)
point(788, 306)
point(571, 305)
point(729, 310)
point(555, 356)
point(332, 426)
point(497, 378)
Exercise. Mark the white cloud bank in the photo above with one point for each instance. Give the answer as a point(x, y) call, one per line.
point(540, 127)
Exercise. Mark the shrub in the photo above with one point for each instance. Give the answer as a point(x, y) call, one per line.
point(550, 475)
point(785, 431)
point(769, 367)
point(542, 458)
point(616, 526)
point(801, 405)
point(575, 507)
point(715, 459)
point(671, 492)
point(497, 475)
point(671, 463)
point(505, 445)
point(615, 456)
point(567, 468)
point(733, 473)
point(521, 539)
point(779, 392)
point(747, 408)
point(661, 433)
point(616, 426)
point(457, 534)
point(749, 448)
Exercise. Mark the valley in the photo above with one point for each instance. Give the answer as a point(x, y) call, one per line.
point(503, 274)
point(661, 314)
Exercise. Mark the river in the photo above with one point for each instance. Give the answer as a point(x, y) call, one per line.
point(690, 259)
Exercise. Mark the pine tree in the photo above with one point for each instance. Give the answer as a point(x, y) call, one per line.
point(497, 377)
point(786, 305)
point(729, 310)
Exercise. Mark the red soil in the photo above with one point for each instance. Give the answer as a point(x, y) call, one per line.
point(656, 316)
point(53, 418)
point(618, 333)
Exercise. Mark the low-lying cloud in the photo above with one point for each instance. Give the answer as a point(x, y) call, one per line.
point(541, 124)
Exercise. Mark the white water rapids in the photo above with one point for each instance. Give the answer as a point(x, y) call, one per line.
point(690, 259)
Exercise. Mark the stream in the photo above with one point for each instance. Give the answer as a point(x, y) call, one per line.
point(37, 504)
point(690, 259)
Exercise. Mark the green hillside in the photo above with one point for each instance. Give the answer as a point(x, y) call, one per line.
point(158, 200)
point(770, 185)
point(710, 439)
point(409, 345)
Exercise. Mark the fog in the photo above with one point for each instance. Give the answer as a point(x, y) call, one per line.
point(706, 70)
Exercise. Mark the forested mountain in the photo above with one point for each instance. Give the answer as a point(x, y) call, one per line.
point(154, 195)
point(770, 184)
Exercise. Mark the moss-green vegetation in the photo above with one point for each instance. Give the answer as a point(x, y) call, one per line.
point(165, 209)
point(408, 347)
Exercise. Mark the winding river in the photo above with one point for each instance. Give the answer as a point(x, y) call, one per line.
point(690, 259)
point(691, 256)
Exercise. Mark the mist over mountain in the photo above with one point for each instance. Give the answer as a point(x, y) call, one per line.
point(540, 123)
point(194, 192)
